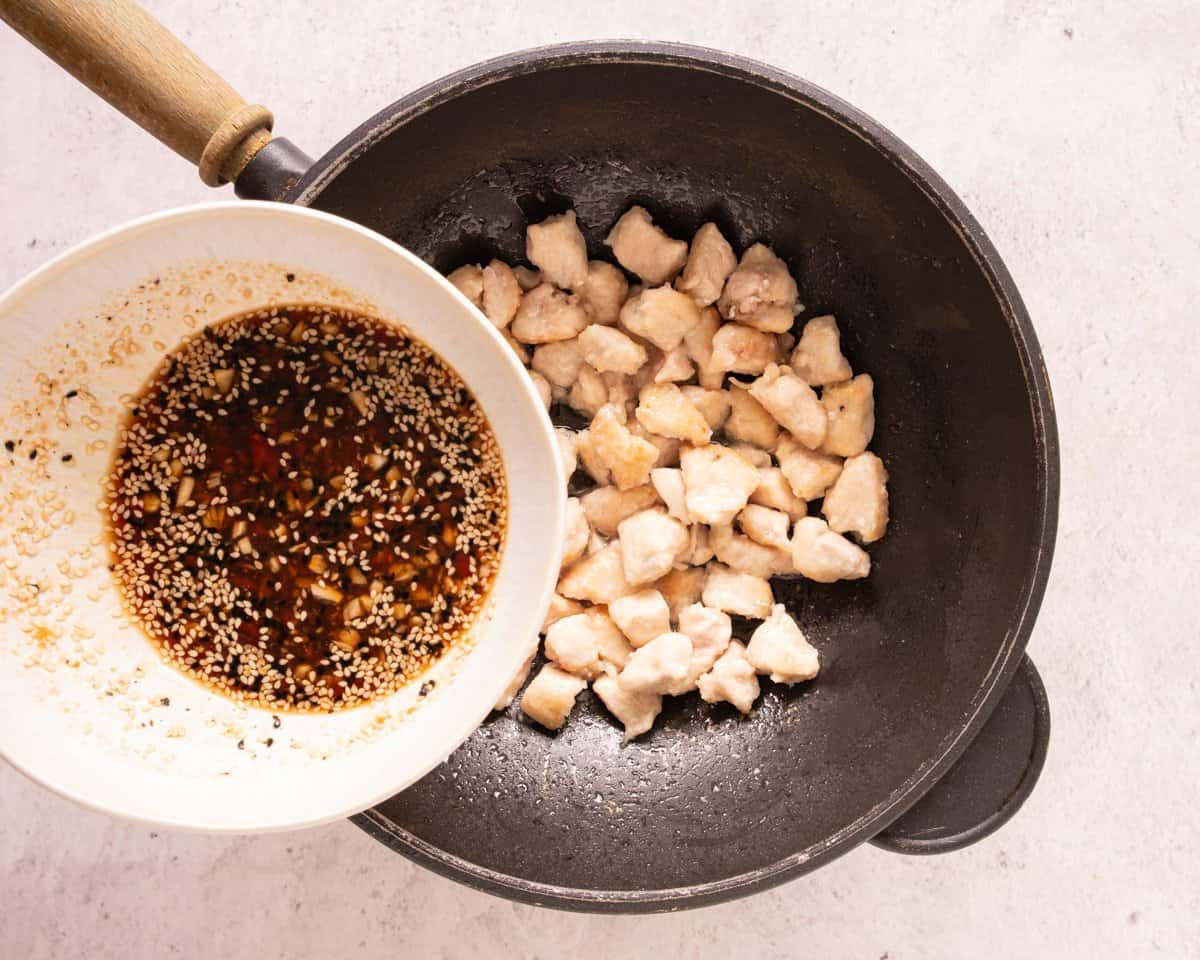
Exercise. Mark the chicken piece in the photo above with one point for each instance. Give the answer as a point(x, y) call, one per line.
point(718, 482)
point(576, 643)
point(615, 651)
point(642, 616)
point(778, 647)
point(808, 472)
point(501, 293)
point(681, 588)
point(629, 458)
point(567, 455)
point(575, 538)
point(667, 447)
point(527, 278)
point(596, 543)
point(775, 492)
point(642, 248)
point(818, 358)
point(668, 483)
point(469, 281)
point(793, 404)
point(636, 711)
point(606, 507)
point(547, 314)
point(542, 386)
point(673, 366)
point(589, 392)
point(710, 632)
point(851, 409)
point(603, 292)
point(559, 607)
point(663, 409)
point(661, 315)
point(772, 319)
point(550, 696)
point(755, 456)
point(699, 344)
point(585, 450)
point(597, 578)
point(609, 350)
point(741, 349)
point(518, 679)
point(748, 421)
point(620, 391)
point(650, 543)
point(766, 526)
point(760, 282)
point(858, 500)
point(559, 362)
point(659, 666)
point(516, 347)
point(739, 593)
point(712, 404)
point(557, 248)
point(699, 550)
point(744, 555)
point(825, 556)
point(731, 680)
point(710, 262)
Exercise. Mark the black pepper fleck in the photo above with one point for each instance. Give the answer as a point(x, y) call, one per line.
point(71, 394)
point(270, 741)
point(9, 446)
point(427, 687)
point(276, 722)
point(241, 744)
point(68, 457)
point(33, 454)
point(291, 277)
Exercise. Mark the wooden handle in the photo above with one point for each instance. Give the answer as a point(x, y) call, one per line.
point(141, 68)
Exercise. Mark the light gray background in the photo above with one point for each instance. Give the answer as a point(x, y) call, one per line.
point(1072, 131)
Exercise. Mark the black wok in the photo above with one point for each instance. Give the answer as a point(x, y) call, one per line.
point(927, 727)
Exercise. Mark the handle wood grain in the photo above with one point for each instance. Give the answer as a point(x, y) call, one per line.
point(131, 60)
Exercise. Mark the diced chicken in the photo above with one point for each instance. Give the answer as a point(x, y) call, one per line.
point(710, 632)
point(547, 314)
point(642, 248)
point(567, 455)
point(589, 392)
point(560, 607)
point(609, 350)
point(575, 540)
point(559, 362)
point(731, 680)
point(596, 543)
point(469, 281)
point(674, 366)
point(636, 711)
point(755, 456)
point(518, 348)
point(748, 421)
point(858, 500)
point(766, 526)
point(605, 507)
point(664, 410)
point(659, 666)
point(712, 404)
point(527, 278)
point(743, 555)
point(718, 482)
point(597, 578)
point(851, 409)
point(661, 315)
point(775, 492)
point(603, 292)
point(650, 543)
point(779, 647)
point(818, 358)
point(793, 404)
point(615, 651)
point(681, 588)
point(808, 472)
point(620, 390)
point(825, 556)
point(741, 349)
point(739, 593)
point(629, 458)
point(699, 344)
point(542, 386)
point(501, 293)
point(760, 282)
point(642, 616)
point(518, 680)
point(574, 643)
point(668, 482)
point(550, 696)
point(709, 264)
point(667, 447)
point(557, 248)
point(585, 450)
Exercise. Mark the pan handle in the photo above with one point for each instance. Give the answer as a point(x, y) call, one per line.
point(131, 60)
point(988, 783)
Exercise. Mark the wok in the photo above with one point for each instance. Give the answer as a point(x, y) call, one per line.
point(927, 727)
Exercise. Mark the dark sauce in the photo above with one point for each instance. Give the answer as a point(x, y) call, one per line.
point(307, 508)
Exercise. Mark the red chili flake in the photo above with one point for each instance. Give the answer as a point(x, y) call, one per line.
point(263, 457)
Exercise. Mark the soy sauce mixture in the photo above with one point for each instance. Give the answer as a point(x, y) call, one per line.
point(307, 507)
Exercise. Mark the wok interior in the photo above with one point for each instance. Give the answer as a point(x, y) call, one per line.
point(708, 795)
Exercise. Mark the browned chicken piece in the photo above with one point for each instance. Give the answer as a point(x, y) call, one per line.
point(658, 667)
point(642, 616)
point(743, 555)
point(741, 349)
point(667, 447)
point(710, 632)
point(501, 293)
point(731, 680)
point(556, 247)
point(542, 386)
point(699, 344)
point(574, 643)
point(809, 472)
point(575, 537)
point(588, 393)
point(763, 525)
point(748, 421)
point(636, 711)
point(609, 350)
point(718, 482)
point(664, 410)
point(793, 404)
point(650, 541)
point(668, 484)
point(629, 458)
point(603, 292)
point(699, 550)
point(559, 362)
point(549, 698)
point(825, 556)
point(547, 314)
point(760, 292)
point(469, 281)
point(560, 607)
point(527, 278)
point(851, 408)
point(517, 348)
point(597, 578)
point(590, 460)
point(681, 588)
point(778, 647)
point(660, 315)
point(605, 507)
point(738, 593)
point(818, 358)
point(775, 492)
point(673, 366)
point(858, 500)
point(712, 404)
point(642, 248)
point(620, 391)
point(709, 264)
point(755, 456)
point(518, 680)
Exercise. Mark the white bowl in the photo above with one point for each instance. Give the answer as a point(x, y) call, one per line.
point(89, 708)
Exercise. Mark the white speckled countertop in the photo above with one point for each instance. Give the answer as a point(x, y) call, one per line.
point(1072, 130)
